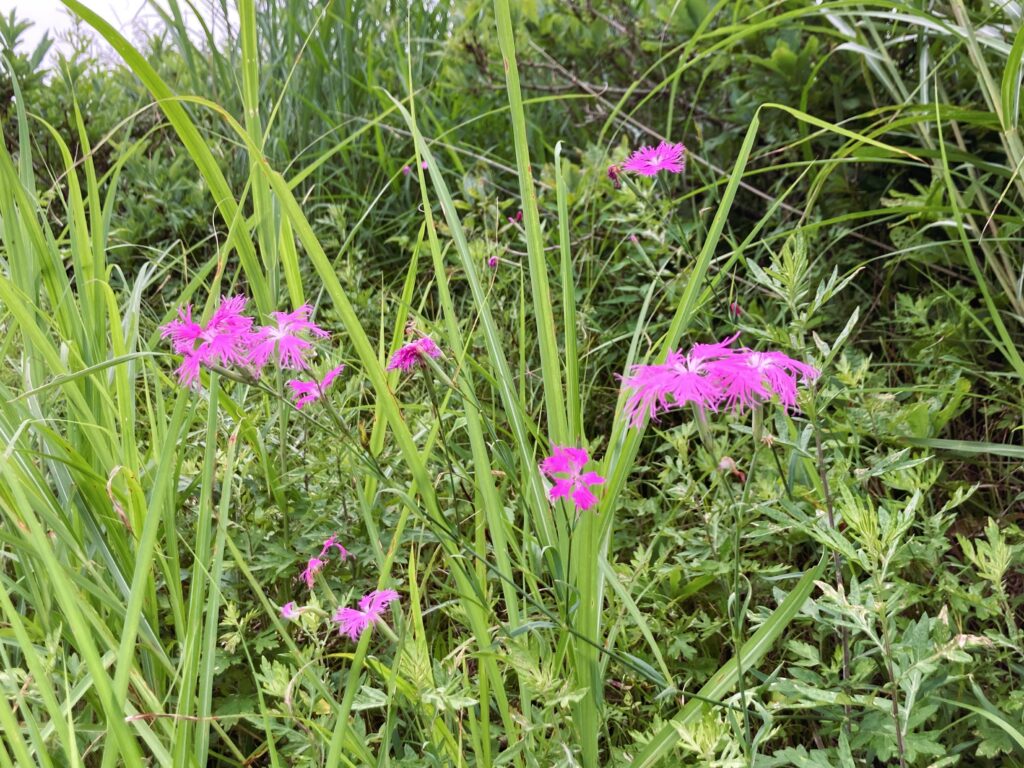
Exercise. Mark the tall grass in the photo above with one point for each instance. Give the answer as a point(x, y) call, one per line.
point(117, 611)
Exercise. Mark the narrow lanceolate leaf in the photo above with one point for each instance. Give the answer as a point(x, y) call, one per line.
point(551, 369)
point(1009, 90)
point(196, 146)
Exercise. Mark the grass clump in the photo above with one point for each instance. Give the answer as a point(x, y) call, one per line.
point(598, 461)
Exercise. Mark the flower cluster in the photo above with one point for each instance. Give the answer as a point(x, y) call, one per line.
point(712, 375)
point(565, 467)
point(230, 338)
point(351, 621)
point(225, 339)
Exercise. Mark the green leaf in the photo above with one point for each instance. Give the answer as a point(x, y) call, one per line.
point(726, 677)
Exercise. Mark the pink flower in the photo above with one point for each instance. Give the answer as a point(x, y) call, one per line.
point(313, 567)
point(565, 467)
point(749, 378)
point(516, 219)
point(710, 375)
point(290, 611)
point(409, 356)
point(679, 380)
point(423, 165)
point(332, 543)
point(492, 262)
point(316, 564)
point(224, 340)
point(406, 170)
point(735, 310)
point(306, 392)
point(647, 161)
point(284, 339)
point(353, 622)
point(184, 332)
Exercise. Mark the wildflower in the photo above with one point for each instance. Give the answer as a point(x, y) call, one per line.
point(284, 339)
point(313, 567)
point(679, 380)
point(408, 357)
point(735, 310)
point(748, 378)
point(423, 165)
point(565, 467)
point(306, 392)
point(634, 239)
point(353, 622)
point(332, 543)
point(613, 175)
point(224, 340)
point(516, 219)
point(406, 170)
point(647, 161)
point(492, 262)
point(290, 611)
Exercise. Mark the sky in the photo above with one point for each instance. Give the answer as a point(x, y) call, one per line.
point(128, 16)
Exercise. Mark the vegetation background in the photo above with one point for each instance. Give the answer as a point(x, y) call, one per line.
point(840, 586)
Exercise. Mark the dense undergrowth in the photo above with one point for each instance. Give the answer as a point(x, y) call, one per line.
point(835, 584)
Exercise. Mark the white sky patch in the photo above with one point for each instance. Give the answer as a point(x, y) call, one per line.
point(132, 18)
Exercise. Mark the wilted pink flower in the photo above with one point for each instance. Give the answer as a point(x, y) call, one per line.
point(353, 622)
point(313, 567)
point(332, 543)
point(305, 392)
point(285, 339)
point(728, 464)
point(224, 340)
point(408, 357)
point(647, 161)
point(290, 611)
point(613, 175)
point(679, 380)
point(748, 378)
point(516, 219)
point(735, 310)
point(565, 467)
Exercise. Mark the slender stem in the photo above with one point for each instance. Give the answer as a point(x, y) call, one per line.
point(837, 559)
point(444, 445)
point(282, 458)
point(884, 624)
point(736, 617)
point(782, 475)
point(624, 176)
point(737, 623)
